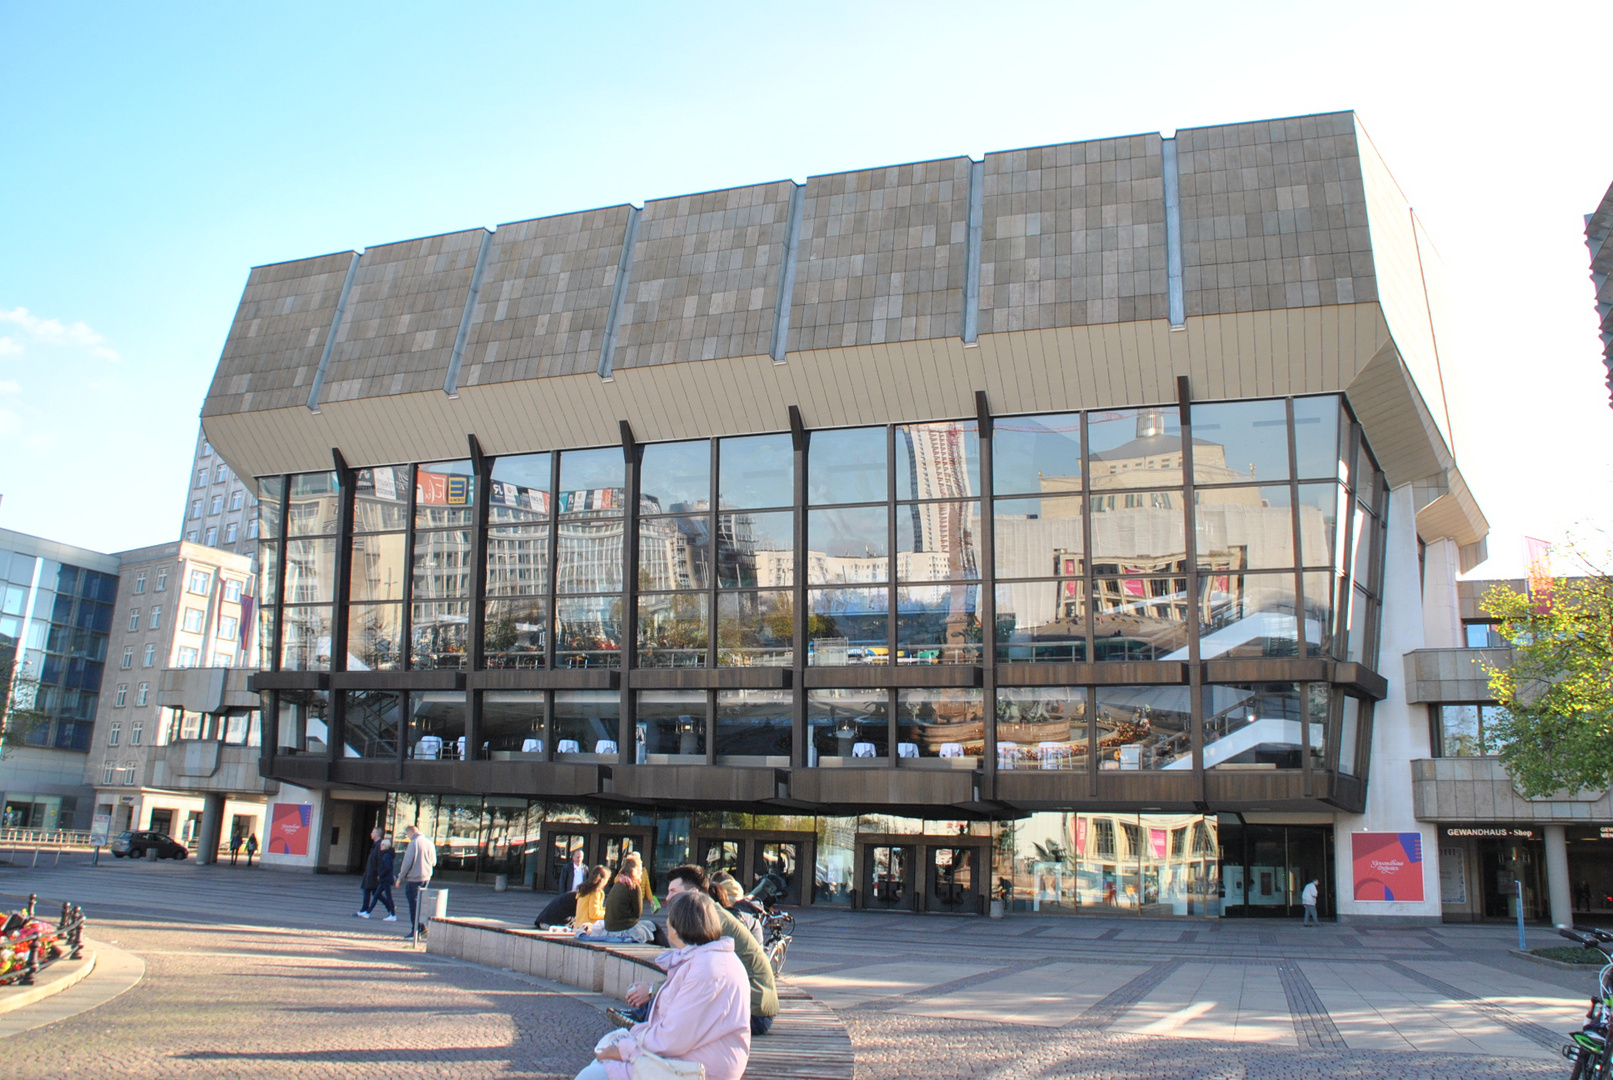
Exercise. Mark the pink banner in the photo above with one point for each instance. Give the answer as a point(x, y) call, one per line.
point(1388, 866)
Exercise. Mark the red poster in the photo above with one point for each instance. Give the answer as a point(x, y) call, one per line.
point(1156, 837)
point(288, 828)
point(1388, 866)
point(1134, 587)
point(1080, 835)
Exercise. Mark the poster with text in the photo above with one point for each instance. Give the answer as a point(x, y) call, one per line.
point(288, 828)
point(1388, 866)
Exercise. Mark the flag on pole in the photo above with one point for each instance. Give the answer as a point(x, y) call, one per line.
point(1537, 554)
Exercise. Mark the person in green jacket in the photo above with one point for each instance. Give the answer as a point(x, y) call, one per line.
point(763, 987)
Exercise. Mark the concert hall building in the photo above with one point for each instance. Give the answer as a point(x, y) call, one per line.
point(1054, 527)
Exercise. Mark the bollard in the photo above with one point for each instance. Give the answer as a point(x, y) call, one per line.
point(32, 900)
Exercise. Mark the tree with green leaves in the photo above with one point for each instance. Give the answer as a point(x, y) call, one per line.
point(1558, 689)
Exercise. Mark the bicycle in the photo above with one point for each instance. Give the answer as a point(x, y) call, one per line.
point(1591, 1048)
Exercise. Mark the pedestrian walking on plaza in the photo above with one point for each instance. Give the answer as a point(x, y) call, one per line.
point(251, 849)
point(235, 847)
point(419, 860)
point(577, 870)
point(371, 881)
point(1307, 897)
point(383, 892)
point(701, 1014)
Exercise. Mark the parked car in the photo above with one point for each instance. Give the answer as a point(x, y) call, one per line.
point(136, 844)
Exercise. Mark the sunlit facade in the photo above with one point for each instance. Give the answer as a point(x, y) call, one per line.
point(1046, 528)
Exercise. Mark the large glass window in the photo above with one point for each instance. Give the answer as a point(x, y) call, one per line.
point(373, 719)
point(848, 626)
point(374, 637)
point(1320, 438)
point(302, 727)
point(938, 460)
point(938, 724)
point(755, 628)
point(672, 726)
point(588, 631)
point(848, 546)
point(1244, 528)
point(1041, 622)
point(1145, 727)
point(1132, 448)
point(1248, 615)
point(756, 549)
point(512, 724)
point(847, 465)
point(517, 561)
point(1043, 727)
point(1258, 726)
point(847, 728)
point(1039, 537)
point(673, 629)
point(1467, 730)
point(437, 725)
point(586, 724)
point(754, 727)
point(675, 477)
point(756, 471)
point(592, 501)
point(1240, 442)
point(1036, 454)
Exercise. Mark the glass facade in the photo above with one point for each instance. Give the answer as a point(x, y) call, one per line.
point(54, 623)
point(1106, 863)
point(1248, 530)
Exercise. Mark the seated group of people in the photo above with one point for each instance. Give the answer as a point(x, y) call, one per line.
point(719, 989)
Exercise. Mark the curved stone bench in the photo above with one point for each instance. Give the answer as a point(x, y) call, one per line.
point(808, 1041)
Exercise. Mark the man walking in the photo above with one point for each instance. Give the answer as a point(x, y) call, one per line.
point(415, 873)
point(578, 871)
point(235, 847)
point(372, 875)
point(1307, 897)
point(251, 849)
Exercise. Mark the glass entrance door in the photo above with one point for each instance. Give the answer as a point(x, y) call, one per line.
point(717, 855)
point(890, 878)
point(557, 860)
point(780, 860)
point(953, 877)
point(1264, 869)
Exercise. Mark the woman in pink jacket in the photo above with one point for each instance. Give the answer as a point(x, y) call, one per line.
point(701, 1013)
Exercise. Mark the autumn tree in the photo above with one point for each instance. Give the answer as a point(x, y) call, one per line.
point(1557, 733)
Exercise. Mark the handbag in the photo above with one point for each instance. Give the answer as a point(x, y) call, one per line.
point(648, 1066)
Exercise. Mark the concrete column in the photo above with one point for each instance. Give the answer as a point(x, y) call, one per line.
point(212, 822)
point(1557, 887)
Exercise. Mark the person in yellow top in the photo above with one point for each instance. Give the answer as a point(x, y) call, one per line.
point(591, 899)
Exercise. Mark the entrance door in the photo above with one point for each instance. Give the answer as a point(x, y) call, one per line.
point(557, 859)
point(718, 854)
point(953, 880)
point(890, 878)
point(1264, 869)
point(366, 819)
point(780, 858)
point(1502, 862)
point(162, 821)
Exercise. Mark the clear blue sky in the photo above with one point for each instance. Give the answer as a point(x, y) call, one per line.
point(151, 154)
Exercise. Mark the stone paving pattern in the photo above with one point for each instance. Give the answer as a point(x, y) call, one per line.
point(239, 964)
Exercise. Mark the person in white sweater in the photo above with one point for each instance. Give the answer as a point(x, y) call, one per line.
point(414, 872)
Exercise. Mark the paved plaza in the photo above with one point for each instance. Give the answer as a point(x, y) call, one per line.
point(267, 974)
